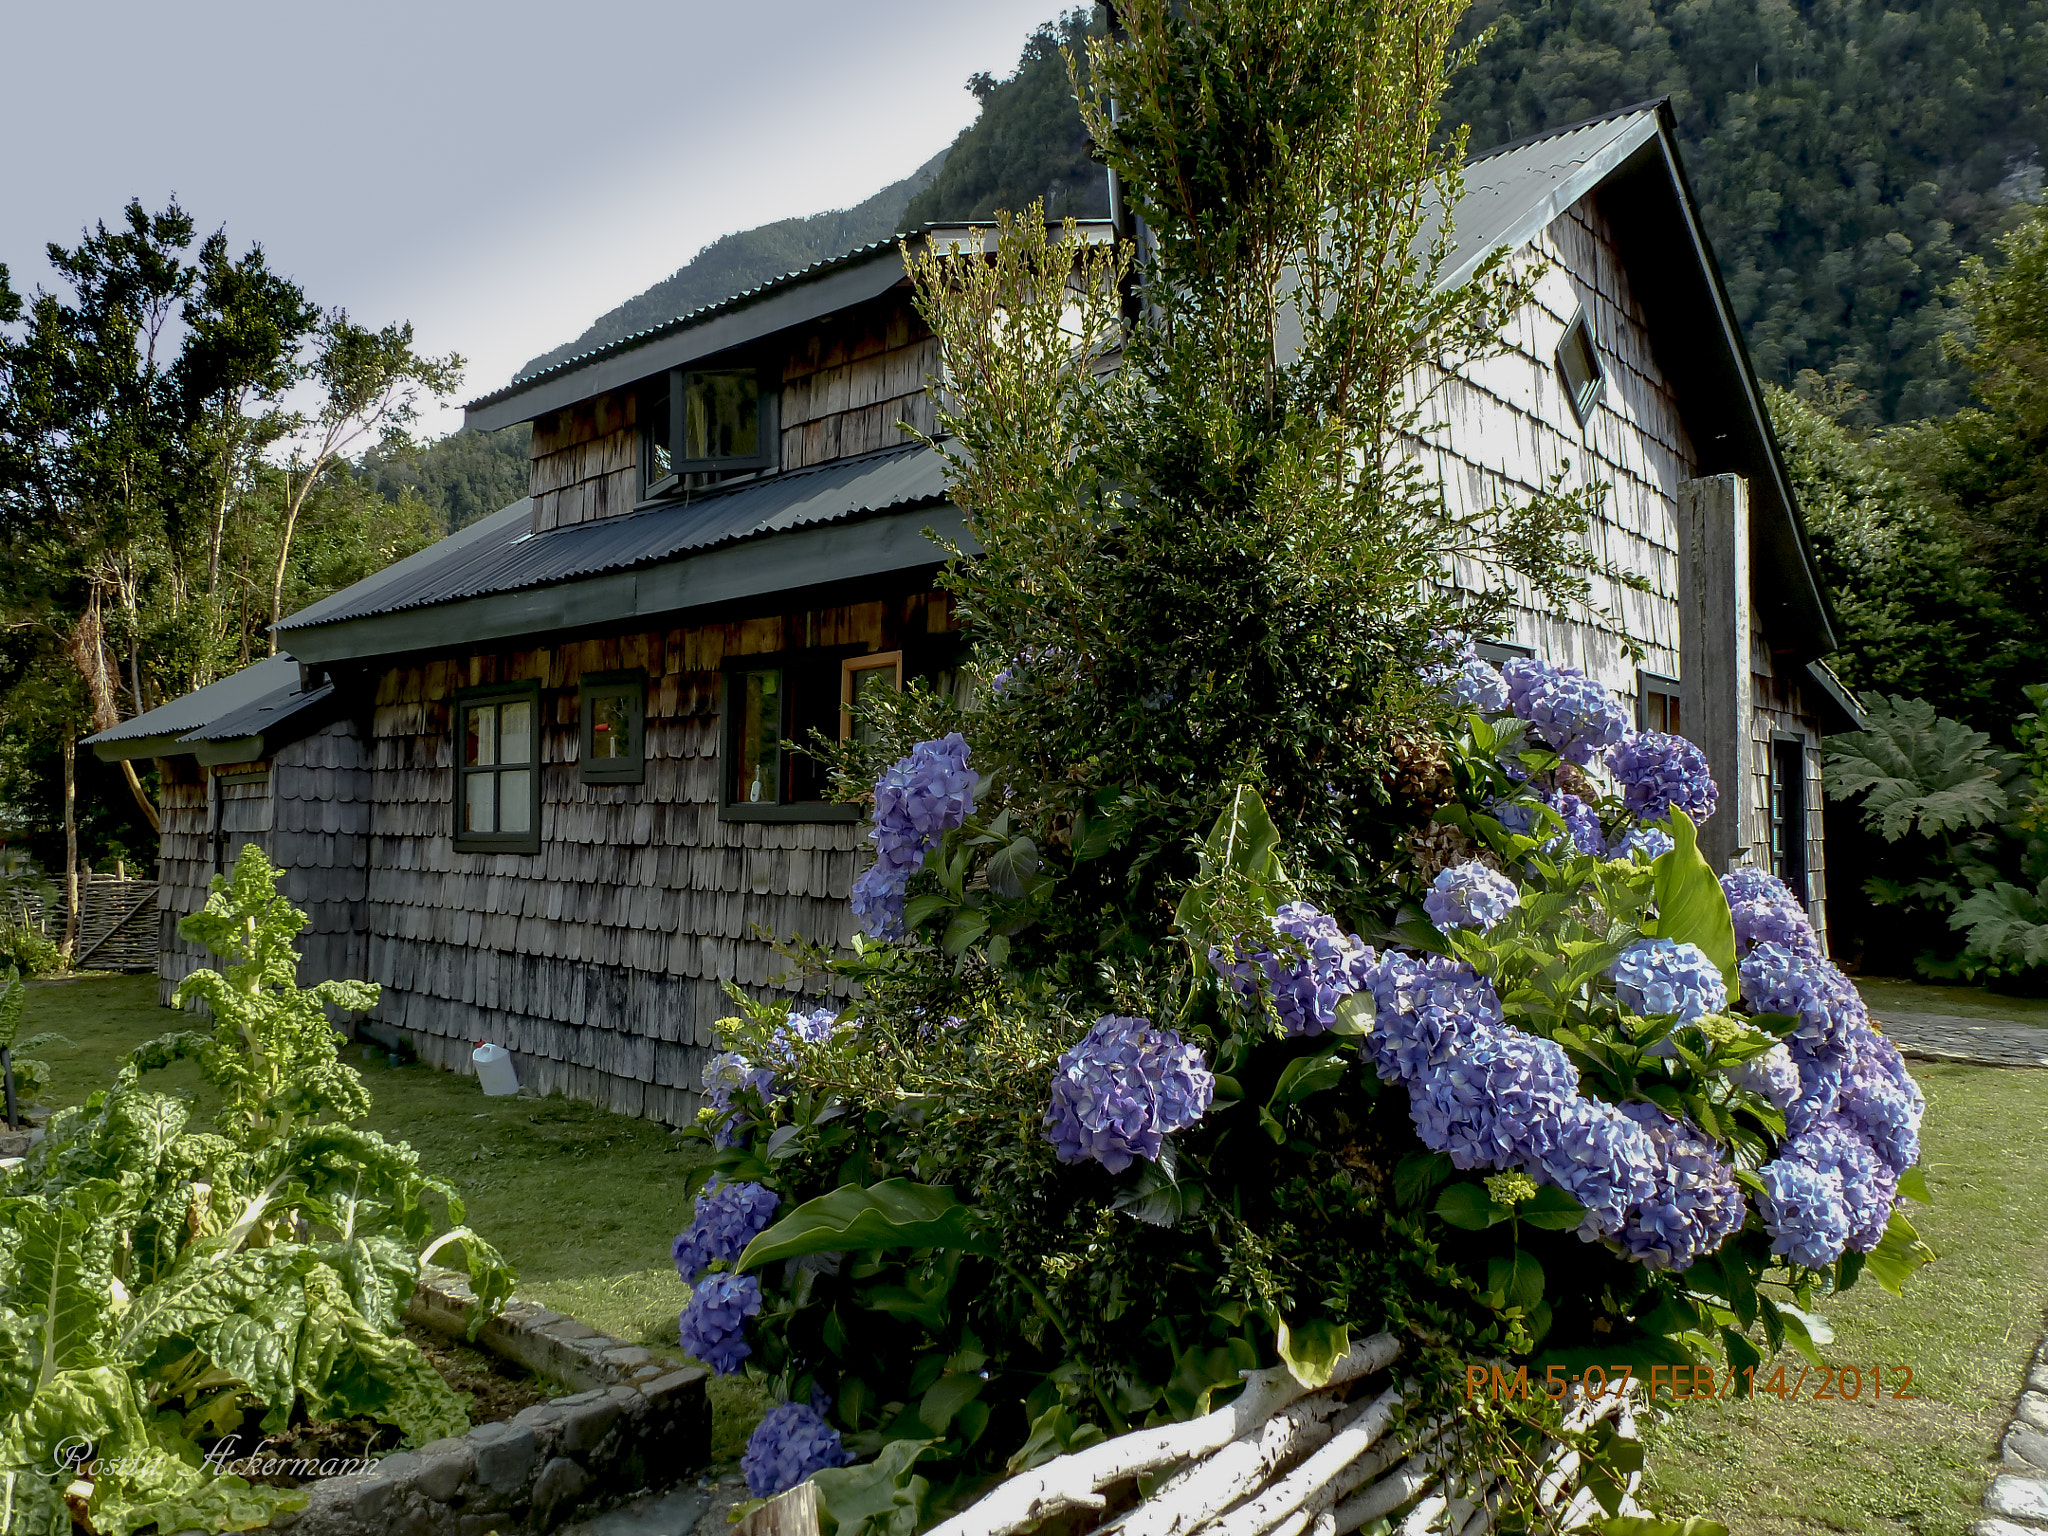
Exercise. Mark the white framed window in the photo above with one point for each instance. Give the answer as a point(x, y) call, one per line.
point(1578, 367)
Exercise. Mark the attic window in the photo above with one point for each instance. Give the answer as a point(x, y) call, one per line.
point(1578, 365)
point(700, 425)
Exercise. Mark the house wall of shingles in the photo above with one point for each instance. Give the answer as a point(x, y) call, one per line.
point(320, 839)
point(585, 461)
point(599, 961)
point(1500, 428)
point(1783, 703)
point(847, 384)
point(184, 866)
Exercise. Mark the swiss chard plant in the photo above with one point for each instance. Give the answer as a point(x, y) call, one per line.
point(163, 1286)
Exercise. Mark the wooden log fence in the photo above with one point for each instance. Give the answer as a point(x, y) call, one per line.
point(1280, 1460)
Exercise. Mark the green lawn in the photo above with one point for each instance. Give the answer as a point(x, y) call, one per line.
point(585, 1203)
point(1967, 1326)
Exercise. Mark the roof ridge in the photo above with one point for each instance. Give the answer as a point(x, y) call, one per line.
point(1649, 105)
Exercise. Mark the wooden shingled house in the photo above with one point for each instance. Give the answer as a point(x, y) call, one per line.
point(534, 780)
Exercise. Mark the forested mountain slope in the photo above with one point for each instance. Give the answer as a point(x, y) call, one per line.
point(1847, 153)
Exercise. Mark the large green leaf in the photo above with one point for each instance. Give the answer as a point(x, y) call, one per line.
point(62, 1282)
point(1310, 1350)
point(1897, 1254)
point(2007, 922)
point(893, 1214)
point(1919, 772)
point(1243, 844)
point(1691, 906)
point(879, 1498)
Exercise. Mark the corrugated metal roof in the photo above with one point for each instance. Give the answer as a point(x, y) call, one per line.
point(510, 559)
point(272, 677)
point(1512, 192)
point(693, 317)
point(261, 716)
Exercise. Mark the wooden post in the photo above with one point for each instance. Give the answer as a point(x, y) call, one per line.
point(794, 1513)
point(1715, 684)
point(70, 946)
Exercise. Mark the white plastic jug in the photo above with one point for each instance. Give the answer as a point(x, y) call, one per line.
point(494, 1070)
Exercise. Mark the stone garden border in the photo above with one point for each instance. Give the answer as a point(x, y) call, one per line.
point(636, 1422)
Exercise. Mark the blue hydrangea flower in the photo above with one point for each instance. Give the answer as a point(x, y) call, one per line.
point(713, 1326)
point(1581, 823)
point(1650, 842)
point(1882, 1103)
point(791, 1442)
point(729, 1074)
point(1577, 716)
point(1695, 1205)
point(1470, 678)
point(1426, 1009)
point(918, 799)
point(1496, 1103)
point(1470, 896)
point(1656, 976)
point(1773, 1077)
point(1766, 912)
point(1780, 980)
point(1603, 1160)
point(1802, 1209)
point(1305, 989)
point(728, 1217)
point(1122, 1089)
point(1657, 771)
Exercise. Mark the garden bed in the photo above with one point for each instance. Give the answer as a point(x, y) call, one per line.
point(631, 1421)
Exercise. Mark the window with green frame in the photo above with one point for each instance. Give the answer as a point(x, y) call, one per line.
point(497, 769)
point(613, 749)
point(772, 704)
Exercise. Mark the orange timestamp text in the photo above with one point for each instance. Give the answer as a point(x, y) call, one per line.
point(1691, 1383)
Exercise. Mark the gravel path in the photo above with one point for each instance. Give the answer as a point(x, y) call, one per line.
point(1947, 1037)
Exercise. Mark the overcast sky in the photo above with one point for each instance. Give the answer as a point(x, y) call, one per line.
point(498, 174)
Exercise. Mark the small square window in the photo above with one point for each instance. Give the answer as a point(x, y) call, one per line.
point(772, 706)
point(497, 769)
point(1657, 704)
point(859, 678)
point(703, 425)
point(613, 748)
point(1578, 365)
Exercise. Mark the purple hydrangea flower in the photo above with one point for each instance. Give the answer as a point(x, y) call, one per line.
point(1695, 1205)
point(918, 799)
point(1657, 772)
point(1780, 980)
point(713, 1326)
point(1470, 896)
point(1650, 842)
point(1305, 989)
point(730, 1074)
point(791, 1442)
point(1766, 912)
point(1882, 1103)
point(1656, 976)
point(1122, 1089)
point(728, 1217)
point(1573, 713)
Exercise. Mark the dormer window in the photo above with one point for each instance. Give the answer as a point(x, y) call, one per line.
point(700, 425)
point(1578, 367)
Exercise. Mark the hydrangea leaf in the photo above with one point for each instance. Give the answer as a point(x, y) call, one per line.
point(879, 1498)
point(1551, 1209)
point(1469, 1206)
point(1056, 1432)
point(1691, 907)
point(1913, 1185)
point(1516, 1278)
point(896, 1213)
point(1898, 1253)
point(1311, 1350)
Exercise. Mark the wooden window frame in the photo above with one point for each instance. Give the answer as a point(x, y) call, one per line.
point(746, 810)
point(632, 767)
point(495, 842)
point(1581, 394)
point(767, 424)
point(1647, 683)
point(872, 662)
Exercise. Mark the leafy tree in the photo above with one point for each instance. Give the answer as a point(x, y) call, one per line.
point(464, 476)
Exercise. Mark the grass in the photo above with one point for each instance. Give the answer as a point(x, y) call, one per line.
point(584, 1203)
point(1967, 1326)
point(1884, 993)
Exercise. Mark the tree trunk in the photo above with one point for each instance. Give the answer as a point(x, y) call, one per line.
point(70, 844)
point(149, 811)
point(284, 546)
point(89, 656)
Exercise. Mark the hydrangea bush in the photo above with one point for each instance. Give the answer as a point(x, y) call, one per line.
point(1616, 1111)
